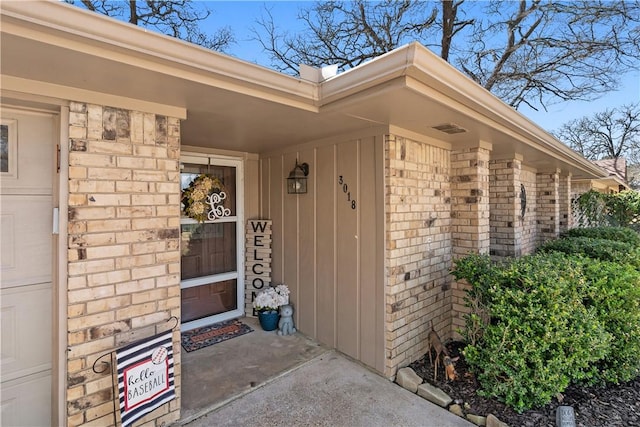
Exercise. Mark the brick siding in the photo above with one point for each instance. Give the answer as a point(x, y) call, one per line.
point(123, 251)
point(548, 211)
point(506, 218)
point(564, 193)
point(529, 234)
point(418, 252)
point(470, 231)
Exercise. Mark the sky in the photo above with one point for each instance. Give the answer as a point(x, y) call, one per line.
point(241, 17)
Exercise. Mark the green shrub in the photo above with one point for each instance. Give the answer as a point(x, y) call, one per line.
point(600, 249)
point(537, 336)
point(478, 270)
point(613, 290)
point(619, 234)
point(623, 208)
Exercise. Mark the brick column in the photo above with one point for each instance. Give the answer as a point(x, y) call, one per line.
point(469, 213)
point(418, 251)
point(548, 206)
point(566, 216)
point(123, 249)
point(505, 221)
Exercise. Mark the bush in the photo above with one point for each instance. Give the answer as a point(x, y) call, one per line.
point(478, 270)
point(537, 336)
point(618, 234)
point(613, 290)
point(599, 249)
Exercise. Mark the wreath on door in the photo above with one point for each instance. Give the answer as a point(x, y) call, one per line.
point(197, 197)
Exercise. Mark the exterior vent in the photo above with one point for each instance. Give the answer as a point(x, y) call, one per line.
point(450, 128)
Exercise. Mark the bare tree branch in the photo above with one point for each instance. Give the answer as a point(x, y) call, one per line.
point(609, 134)
point(531, 52)
point(553, 51)
point(345, 33)
point(177, 18)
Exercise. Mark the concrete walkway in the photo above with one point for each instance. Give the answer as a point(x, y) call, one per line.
point(330, 390)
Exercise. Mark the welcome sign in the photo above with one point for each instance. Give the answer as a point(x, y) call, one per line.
point(258, 260)
point(145, 376)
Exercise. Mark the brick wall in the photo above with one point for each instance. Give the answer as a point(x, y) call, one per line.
point(470, 232)
point(505, 219)
point(418, 253)
point(529, 234)
point(548, 209)
point(124, 259)
point(512, 233)
point(564, 194)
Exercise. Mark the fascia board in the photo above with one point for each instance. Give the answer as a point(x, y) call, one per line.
point(621, 182)
point(376, 72)
point(442, 82)
point(609, 182)
point(70, 27)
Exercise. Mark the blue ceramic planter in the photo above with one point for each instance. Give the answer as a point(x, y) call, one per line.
point(269, 320)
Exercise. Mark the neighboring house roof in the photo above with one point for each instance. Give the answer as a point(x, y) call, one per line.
point(617, 175)
point(235, 105)
point(617, 170)
point(615, 167)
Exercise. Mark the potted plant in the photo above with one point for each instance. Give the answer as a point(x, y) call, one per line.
point(267, 304)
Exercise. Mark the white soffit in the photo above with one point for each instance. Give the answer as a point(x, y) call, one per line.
point(443, 94)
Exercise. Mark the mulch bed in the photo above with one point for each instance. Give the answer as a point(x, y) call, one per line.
point(594, 406)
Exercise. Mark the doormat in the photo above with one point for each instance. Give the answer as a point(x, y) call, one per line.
point(205, 336)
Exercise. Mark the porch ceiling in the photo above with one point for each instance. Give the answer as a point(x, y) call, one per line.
point(401, 105)
point(216, 116)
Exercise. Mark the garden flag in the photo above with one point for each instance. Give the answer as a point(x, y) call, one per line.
point(145, 376)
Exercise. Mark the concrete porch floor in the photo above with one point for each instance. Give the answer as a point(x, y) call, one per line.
point(262, 379)
point(214, 376)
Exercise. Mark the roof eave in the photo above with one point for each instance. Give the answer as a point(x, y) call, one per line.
point(417, 62)
point(74, 28)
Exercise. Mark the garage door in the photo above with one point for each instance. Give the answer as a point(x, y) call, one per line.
point(26, 175)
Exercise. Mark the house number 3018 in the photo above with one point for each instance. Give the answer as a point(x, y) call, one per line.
point(345, 189)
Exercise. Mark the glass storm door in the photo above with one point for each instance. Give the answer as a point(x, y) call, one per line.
point(212, 252)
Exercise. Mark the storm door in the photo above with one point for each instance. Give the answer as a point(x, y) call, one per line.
point(212, 240)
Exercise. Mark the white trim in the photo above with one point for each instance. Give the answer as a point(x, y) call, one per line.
point(59, 380)
point(184, 221)
point(204, 280)
point(212, 319)
point(238, 275)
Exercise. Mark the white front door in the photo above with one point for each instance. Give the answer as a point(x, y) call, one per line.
point(212, 262)
point(26, 174)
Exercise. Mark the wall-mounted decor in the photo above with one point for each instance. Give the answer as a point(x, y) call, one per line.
point(8, 147)
point(203, 199)
point(145, 376)
point(523, 200)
